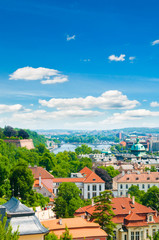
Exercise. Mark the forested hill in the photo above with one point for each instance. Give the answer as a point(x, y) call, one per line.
point(16, 133)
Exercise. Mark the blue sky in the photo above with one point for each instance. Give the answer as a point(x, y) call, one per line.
point(79, 64)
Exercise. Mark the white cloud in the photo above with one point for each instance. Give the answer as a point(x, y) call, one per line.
point(70, 37)
point(60, 79)
point(46, 75)
point(44, 115)
point(121, 58)
point(10, 108)
point(154, 104)
point(132, 59)
point(113, 99)
point(155, 42)
point(130, 115)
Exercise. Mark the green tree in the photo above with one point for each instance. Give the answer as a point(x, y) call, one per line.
point(6, 231)
point(111, 171)
point(22, 133)
point(66, 235)
point(9, 132)
point(151, 198)
point(51, 236)
point(68, 200)
point(21, 179)
point(155, 236)
point(103, 212)
point(84, 149)
point(134, 191)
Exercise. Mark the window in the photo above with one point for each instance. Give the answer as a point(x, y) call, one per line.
point(147, 233)
point(142, 235)
point(137, 236)
point(53, 190)
point(137, 178)
point(94, 187)
point(57, 191)
point(114, 237)
point(100, 187)
point(132, 235)
point(150, 218)
point(88, 188)
point(153, 232)
point(138, 185)
point(57, 184)
point(126, 186)
point(121, 186)
point(125, 237)
point(121, 193)
point(148, 178)
point(127, 178)
point(88, 195)
point(94, 194)
point(143, 186)
point(148, 186)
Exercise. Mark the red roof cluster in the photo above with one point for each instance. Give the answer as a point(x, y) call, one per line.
point(126, 211)
point(40, 171)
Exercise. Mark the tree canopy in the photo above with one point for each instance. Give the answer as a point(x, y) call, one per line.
point(105, 177)
point(103, 212)
point(111, 171)
point(68, 200)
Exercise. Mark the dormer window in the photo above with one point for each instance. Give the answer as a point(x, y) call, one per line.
point(150, 218)
point(137, 178)
point(94, 179)
point(157, 178)
point(148, 178)
point(127, 178)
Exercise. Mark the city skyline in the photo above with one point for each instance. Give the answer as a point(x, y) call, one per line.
point(79, 64)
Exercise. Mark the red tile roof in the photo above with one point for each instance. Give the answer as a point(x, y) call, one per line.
point(36, 171)
point(88, 177)
point(125, 212)
point(151, 177)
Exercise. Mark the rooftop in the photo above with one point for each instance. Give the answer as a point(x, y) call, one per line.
point(36, 171)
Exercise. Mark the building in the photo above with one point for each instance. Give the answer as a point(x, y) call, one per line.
point(133, 220)
point(28, 143)
point(143, 180)
point(79, 228)
point(23, 218)
point(138, 149)
point(86, 180)
point(43, 182)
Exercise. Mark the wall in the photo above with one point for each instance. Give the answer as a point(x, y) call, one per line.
point(32, 237)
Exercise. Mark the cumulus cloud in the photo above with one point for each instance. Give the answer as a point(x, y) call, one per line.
point(113, 99)
point(121, 58)
point(132, 59)
point(70, 37)
point(10, 108)
point(130, 115)
point(154, 104)
point(44, 115)
point(155, 42)
point(46, 75)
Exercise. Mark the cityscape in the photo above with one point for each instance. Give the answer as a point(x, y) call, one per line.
point(79, 129)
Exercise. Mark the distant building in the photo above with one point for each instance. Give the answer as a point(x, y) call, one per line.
point(119, 135)
point(43, 182)
point(86, 180)
point(79, 228)
point(144, 181)
point(23, 218)
point(138, 149)
point(28, 143)
point(133, 220)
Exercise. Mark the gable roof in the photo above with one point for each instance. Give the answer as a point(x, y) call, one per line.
point(88, 177)
point(36, 171)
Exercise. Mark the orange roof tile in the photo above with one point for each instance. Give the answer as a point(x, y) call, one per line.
point(53, 224)
point(88, 176)
point(83, 233)
point(60, 180)
point(36, 171)
point(134, 217)
point(151, 177)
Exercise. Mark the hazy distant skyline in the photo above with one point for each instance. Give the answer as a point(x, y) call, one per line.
point(79, 64)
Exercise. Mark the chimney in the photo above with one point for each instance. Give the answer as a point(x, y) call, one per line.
point(148, 171)
point(60, 221)
point(133, 199)
point(123, 173)
point(129, 195)
point(40, 180)
point(92, 202)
